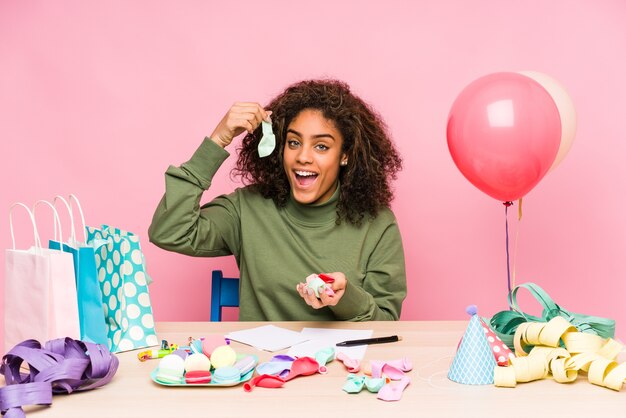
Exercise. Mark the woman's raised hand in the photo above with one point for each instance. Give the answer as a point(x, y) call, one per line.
point(242, 116)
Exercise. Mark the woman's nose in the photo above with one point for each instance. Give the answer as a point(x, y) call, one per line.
point(304, 155)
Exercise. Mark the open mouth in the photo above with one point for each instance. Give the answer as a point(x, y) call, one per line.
point(305, 178)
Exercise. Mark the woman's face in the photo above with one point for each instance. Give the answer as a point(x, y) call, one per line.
point(312, 156)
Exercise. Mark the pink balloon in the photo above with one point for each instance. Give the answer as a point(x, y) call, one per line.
point(504, 131)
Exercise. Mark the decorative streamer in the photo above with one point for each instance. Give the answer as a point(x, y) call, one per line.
point(505, 323)
point(539, 353)
point(63, 365)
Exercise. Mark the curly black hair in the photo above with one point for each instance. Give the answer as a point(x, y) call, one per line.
point(373, 158)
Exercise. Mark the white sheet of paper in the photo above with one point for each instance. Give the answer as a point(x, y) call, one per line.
point(268, 337)
point(320, 338)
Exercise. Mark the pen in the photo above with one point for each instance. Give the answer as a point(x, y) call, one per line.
point(367, 341)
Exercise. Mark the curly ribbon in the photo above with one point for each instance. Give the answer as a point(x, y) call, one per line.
point(538, 351)
point(63, 365)
point(505, 323)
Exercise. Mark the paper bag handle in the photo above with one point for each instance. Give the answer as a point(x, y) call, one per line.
point(57, 220)
point(82, 216)
point(72, 239)
point(32, 220)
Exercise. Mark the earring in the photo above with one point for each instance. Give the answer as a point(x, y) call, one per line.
point(345, 162)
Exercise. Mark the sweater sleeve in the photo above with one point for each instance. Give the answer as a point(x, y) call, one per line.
point(384, 287)
point(180, 224)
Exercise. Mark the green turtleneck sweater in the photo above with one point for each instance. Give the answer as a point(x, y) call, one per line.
point(277, 248)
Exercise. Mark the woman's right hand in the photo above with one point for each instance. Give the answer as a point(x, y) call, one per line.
point(242, 116)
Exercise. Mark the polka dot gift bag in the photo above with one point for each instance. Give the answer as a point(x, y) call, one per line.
point(124, 283)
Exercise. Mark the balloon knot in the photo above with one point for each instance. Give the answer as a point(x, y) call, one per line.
point(507, 204)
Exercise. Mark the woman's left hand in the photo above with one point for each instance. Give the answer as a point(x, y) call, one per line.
point(338, 286)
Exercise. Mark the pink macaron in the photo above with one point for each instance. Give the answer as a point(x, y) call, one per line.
point(198, 377)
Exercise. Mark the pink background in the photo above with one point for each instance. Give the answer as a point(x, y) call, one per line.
point(98, 98)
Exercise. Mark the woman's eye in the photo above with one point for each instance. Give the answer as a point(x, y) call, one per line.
point(292, 143)
point(321, 147)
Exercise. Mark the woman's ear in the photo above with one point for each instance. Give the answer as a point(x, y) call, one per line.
point(344, 160)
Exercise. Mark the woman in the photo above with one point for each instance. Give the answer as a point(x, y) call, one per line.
point(319, 203)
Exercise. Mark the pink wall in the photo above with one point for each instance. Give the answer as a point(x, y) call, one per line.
point(97, 98)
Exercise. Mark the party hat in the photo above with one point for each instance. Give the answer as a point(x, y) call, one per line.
point(474, 361)
point(501, 352)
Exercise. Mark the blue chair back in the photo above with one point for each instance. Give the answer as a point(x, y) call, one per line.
point(224, 293)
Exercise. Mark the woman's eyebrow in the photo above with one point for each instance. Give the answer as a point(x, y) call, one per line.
point(318, 136)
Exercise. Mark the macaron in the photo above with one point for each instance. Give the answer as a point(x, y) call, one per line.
point(171, 369)
point(197, 361)
point(198, 377)
point(223, 356)
point(224, 375)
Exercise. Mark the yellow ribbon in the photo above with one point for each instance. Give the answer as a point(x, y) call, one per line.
point(538, 351)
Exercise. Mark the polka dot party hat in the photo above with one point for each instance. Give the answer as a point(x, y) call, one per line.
point(501, 352)
point(474, 361)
